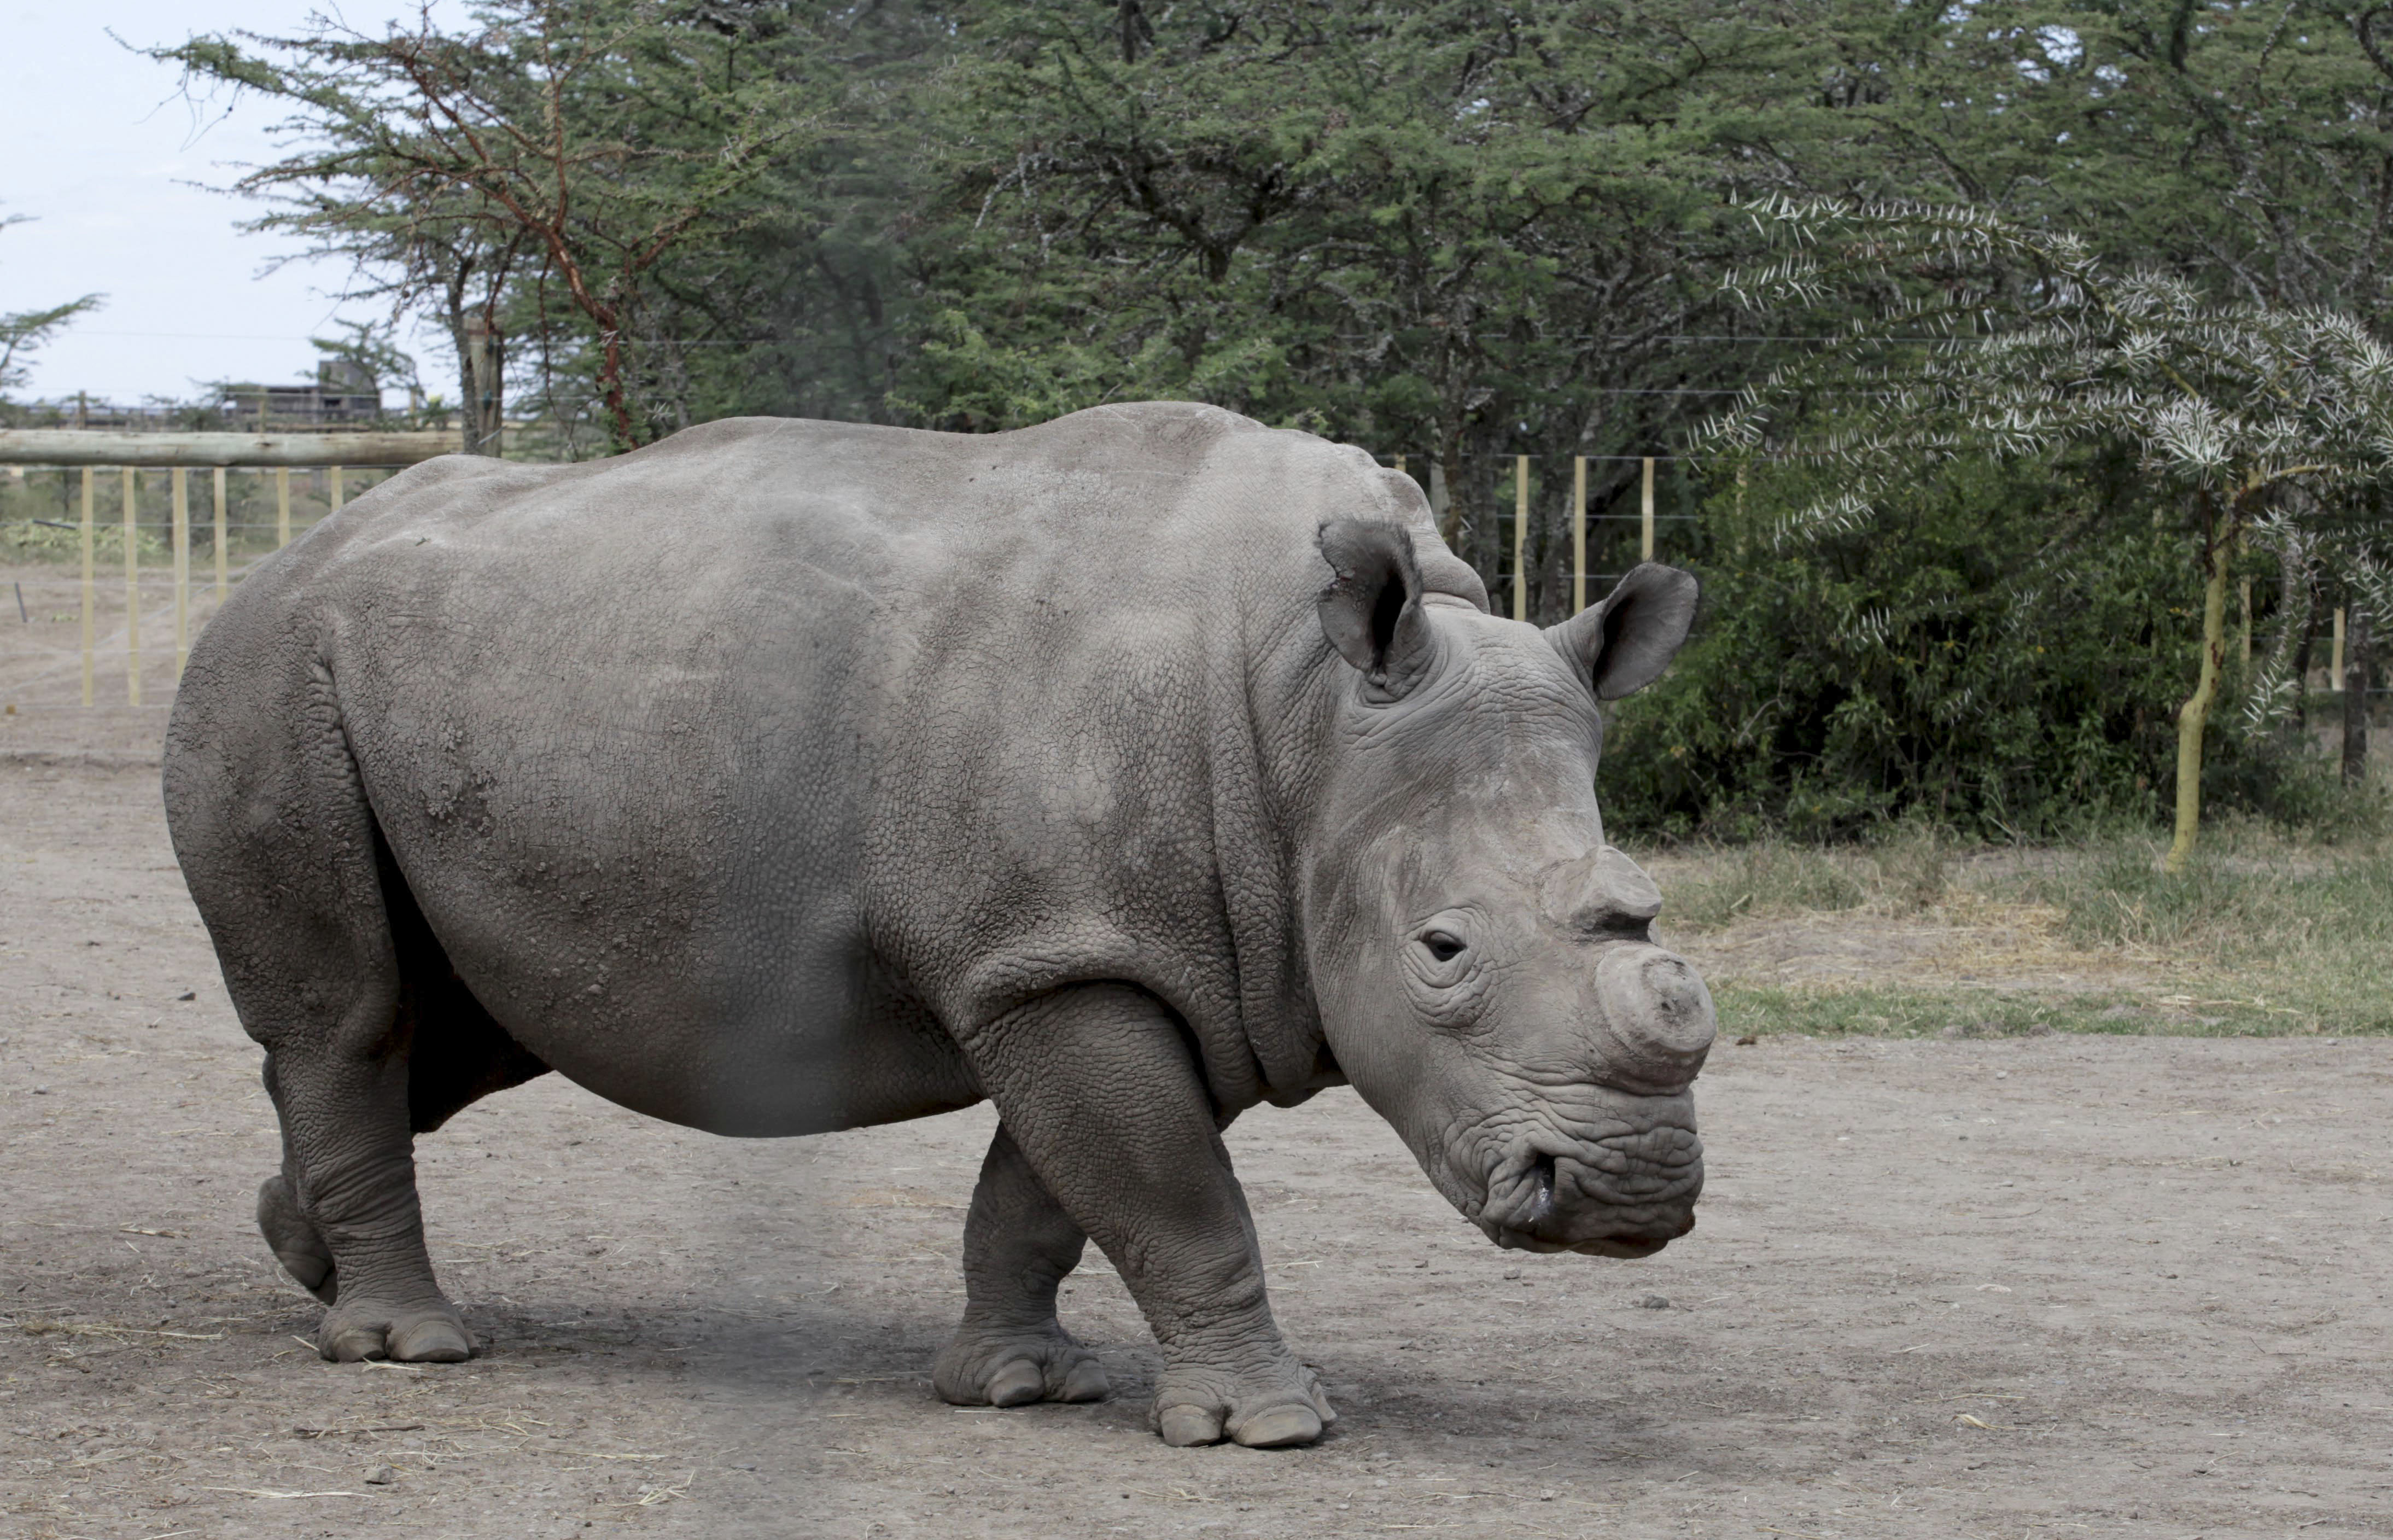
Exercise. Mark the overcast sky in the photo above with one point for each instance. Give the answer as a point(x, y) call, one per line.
point(97, 146)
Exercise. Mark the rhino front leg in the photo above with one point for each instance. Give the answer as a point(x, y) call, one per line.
point(1018, 1244)
point(1097, 1087)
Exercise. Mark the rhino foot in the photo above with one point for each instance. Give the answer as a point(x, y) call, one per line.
point(1206, 1406)
point(417, 1332)
point(295, 1241)
point(990, 1368)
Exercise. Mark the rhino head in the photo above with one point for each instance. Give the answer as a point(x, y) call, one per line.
point(1484, 959)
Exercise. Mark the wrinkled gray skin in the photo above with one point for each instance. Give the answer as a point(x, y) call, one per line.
point(787, 777)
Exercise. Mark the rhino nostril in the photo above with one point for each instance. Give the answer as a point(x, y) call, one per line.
point(1541, 1171)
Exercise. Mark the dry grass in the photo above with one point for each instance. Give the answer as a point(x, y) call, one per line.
point(1918, 935)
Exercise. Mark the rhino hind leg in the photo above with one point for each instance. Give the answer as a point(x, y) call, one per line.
point(343, 1216)
point(1018, 1244)
point(295, 1240)
point(456, 1055)
point(287, 865)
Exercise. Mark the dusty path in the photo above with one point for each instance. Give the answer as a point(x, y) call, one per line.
point(2062, 1285)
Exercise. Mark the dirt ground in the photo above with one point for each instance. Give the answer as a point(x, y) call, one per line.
point(2061, 1285)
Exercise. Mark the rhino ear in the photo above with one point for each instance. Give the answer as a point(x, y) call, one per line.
point(1623, 644)
point(1371, 610)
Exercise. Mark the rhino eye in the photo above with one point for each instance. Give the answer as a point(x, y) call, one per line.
point(1443, 946)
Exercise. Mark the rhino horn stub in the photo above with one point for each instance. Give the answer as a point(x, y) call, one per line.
point(1600, 893)
point(1656, 1017)
point(1371, 611)
point(1623, 644)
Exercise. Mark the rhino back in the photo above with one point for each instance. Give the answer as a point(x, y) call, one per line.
point(737, 774)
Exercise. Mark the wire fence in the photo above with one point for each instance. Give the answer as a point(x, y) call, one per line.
point(151, 556)
point(133, 614)
point(155, 561)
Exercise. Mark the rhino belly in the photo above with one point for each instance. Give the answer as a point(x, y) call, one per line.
point(633, 816)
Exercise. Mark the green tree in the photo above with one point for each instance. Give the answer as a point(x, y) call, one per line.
point(1452, 228)
point(1993, 338)
point(588, 142)
point(1999, 649)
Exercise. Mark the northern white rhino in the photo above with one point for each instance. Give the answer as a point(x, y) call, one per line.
point(785, 777)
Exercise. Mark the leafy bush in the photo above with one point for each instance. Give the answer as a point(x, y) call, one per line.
point(2002, 654)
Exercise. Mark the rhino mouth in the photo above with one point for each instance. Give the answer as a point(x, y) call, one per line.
point(1614, 1201)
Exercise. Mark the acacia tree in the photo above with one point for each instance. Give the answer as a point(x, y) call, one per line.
point(1984, 336)
point(22, 332)
point(427, 254)
point(587, 139)
point(1454, 227)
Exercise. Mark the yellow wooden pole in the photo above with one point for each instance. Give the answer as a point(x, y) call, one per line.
point(1520, 537)
point(1578, 533)
point(282, 506)
point(2335, 669)
point(1400, 465)
point(90, 593)
point(332, 496)
point(181, 482)
point(223, 582)
point(1646, 539)
point(132, 598)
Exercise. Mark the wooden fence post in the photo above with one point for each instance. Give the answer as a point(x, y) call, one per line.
point(332, 493)
point(2355, 695)
point(2335, 669)
point(90, 593)
point(132, 597)
point(1578, 533)
point(282, 506)
point(219, 487)
point(1646, 539)
point(181, 482)
point(1520, 537)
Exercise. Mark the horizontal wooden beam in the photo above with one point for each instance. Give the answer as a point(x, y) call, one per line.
point(102, 447)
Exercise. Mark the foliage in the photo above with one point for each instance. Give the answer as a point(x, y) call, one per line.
point(584, 141)
point(1997, 338)
point(1454, 229)
point(2030, 348)
point(2000, 650)
point(1461, 230)
point(46, 539)
point(23, 331)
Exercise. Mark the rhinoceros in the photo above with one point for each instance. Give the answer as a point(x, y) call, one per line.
point(784, 776)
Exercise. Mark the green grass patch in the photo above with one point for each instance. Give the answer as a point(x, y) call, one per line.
point(2263, 935)
point(1758, 1012)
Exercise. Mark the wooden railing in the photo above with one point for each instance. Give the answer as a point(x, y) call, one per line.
point(97, 452)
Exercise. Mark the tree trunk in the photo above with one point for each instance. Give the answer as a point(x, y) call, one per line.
point(2302, 656)
point(2194, 715)
point(2355, 698)
point(1441, 505)
point(478, 363)
point(484, 356)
